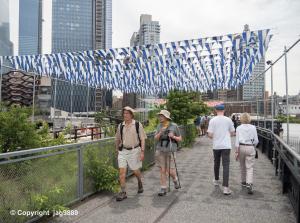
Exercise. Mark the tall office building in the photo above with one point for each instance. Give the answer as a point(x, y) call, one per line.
point(6, 46)
point(30, 27)
point(103, 24)
point(255, 89)
point(250, 90)
point(134, 40)
point(72, 30)
point(149, 32)
point(76, 26)
point(81, 25)
point(72, 25)
point(103, 40)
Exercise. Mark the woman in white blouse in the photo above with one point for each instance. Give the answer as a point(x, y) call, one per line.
point(246, 140)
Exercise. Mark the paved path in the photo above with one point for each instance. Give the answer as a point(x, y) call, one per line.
point(198, 200)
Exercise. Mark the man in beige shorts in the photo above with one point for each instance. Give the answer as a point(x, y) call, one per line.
point(167, 136)
point(130, 146)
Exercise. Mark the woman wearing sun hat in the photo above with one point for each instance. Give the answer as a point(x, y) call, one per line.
point(167, 136)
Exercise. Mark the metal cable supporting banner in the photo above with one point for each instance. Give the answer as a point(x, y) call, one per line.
point(273, 63)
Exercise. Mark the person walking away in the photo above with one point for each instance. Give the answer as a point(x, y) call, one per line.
point(245, 142)
point(219, 130)
point(202, 126)
point(130, 146)
point(167, 132)
point(234, 120)
point(198, 124)
point(206, 122)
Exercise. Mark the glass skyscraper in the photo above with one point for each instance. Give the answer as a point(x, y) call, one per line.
point(79, 25)
point(6, 46)
point(108, 24)
point(30, 27)
point(72, 25)
point(103, 24)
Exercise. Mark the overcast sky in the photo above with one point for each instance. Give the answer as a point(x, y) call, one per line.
point(190, 19)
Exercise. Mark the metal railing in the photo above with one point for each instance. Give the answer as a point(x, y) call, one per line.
point(286, 162)
point(57, 175)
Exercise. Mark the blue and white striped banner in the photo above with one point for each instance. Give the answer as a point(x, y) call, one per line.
point(193, 65)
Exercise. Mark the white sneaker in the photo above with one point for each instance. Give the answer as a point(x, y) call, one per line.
point(216, 182)
point(227, 191)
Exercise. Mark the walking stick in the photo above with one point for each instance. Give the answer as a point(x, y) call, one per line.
point(169, 172)
point(174, 163)
point(176, 170)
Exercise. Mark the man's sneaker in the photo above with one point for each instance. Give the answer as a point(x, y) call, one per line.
point(162, 192)
point(216, 182)
point(121, 196)
point(250, 188)
point(140, 187)
point(244, 184)
point(227, 191)
point(176, 184)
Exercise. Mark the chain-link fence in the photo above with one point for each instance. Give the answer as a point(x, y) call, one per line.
point(52, 177)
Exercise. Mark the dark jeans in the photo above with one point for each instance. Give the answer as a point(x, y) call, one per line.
point(225, 154)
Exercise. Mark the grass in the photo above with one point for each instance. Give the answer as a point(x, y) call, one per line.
point(22, 184)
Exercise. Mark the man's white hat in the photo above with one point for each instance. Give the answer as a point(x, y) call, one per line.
point(127, 108)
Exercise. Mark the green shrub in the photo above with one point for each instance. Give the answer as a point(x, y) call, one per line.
point(100, 168)
point(16, 132)
point(190, 135)
point(50, 201)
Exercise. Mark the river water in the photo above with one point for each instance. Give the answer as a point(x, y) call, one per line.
point(294, 135)
point(294, 130)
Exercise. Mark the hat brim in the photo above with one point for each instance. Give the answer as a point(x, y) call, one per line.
point(220, 109)
point(129, 109)
point(164, 116)
point(131, 112)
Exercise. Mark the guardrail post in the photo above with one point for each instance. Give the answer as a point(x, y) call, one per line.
point(298, 205)
point(285, 178)
point(80, 173)
point(75, 134)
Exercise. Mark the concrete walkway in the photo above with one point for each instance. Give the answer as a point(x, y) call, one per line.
point(198, 200)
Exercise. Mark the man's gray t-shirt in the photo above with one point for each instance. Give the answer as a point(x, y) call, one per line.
point(220, 127)
point(162, 145)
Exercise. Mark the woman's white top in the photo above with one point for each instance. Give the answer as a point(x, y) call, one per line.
point(246, 134)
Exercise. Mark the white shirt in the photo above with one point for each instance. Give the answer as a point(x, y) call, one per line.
point(246, 134)
point(221, 127)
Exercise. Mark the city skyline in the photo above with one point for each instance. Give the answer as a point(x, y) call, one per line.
point(203, 19)
point(196, 19)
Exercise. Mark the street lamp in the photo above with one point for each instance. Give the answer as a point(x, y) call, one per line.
point(287, 96)
point(270, 63)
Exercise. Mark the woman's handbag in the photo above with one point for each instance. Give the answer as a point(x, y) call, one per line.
point(256, 154)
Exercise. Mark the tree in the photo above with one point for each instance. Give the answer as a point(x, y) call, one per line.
point(184, 106)
point(16, 131)
point(45, 139)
